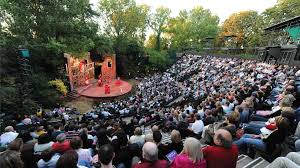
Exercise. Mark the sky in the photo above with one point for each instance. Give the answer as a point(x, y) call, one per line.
point(222, 8)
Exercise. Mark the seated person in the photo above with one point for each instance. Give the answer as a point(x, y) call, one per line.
point(224, 150)
point(162, 149)
point(106, 155)
point(191, 156)
point(8, 136)
point(62, 145)
point(292, 160)
point(138, 137)
point(48, 159)
point(176, 143)
point(266, 142)
point(150, 157)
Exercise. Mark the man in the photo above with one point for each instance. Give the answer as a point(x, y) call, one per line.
point(8, 136)
point(197, 126)
point(162, 149)
point(225, 152)
point(150, 156)
point(106, 155)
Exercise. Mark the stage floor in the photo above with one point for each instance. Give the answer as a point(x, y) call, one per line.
point(94, 91)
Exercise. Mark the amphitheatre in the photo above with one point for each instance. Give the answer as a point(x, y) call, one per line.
point(150, 84)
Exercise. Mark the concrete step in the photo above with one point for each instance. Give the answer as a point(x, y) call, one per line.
point(257, 163)
point(263, 164)
point(243, 160)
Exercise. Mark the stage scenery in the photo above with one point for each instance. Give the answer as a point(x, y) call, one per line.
point(150, 84)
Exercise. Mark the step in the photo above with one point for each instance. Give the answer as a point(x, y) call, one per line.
point(243, 160)
point(255, 163)
point(262, 164)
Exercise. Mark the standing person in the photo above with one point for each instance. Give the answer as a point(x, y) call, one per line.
point(226, 153)
point(191, 156)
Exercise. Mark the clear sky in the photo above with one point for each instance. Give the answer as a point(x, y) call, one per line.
point(222, 8)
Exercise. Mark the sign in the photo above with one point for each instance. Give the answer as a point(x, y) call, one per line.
point(24, 53)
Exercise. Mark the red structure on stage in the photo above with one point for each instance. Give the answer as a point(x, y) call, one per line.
point(82, 77)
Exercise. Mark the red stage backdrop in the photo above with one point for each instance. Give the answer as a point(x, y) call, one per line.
point(108, 69)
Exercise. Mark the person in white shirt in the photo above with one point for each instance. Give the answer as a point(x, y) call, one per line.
point(137, 138)
point(197, 126)
point(8, 136)
point(44, 144)
point(83, 154)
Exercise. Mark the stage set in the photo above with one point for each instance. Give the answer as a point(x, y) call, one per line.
point(95, 76)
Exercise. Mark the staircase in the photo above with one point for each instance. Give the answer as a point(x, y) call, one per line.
point(73, 95)
point(245, 161)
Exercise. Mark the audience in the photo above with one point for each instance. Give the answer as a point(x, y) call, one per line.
point(215, 100)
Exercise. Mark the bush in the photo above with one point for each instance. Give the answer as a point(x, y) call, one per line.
point(59, 85)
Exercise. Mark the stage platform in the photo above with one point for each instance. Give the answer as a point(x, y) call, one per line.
point(94, 91)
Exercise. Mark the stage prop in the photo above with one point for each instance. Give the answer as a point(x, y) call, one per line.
point(82, 75)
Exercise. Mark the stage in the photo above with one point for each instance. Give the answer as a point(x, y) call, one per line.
point(94, 91)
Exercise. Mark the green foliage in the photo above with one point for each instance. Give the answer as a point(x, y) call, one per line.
point(124, 18)
point(159, 59)
point(59, 85)
point(283, 10)
point(43, 92)
point(190, 27)
point(62, 25)
point(158, 23)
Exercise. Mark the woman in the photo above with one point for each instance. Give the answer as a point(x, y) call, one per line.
point(176, 144)
point(265, 142)
point(191, 156)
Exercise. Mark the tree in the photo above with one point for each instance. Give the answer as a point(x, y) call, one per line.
point(190, 27)
point(125, 22)
point(62, 25)
point(158, 24)
point(283, 10)
point(124, 18)
point(47, 29)
point(247, 26)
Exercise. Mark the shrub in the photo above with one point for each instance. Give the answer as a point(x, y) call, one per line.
point(59, 85)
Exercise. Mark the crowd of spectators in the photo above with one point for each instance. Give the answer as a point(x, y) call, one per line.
point(225, 107)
